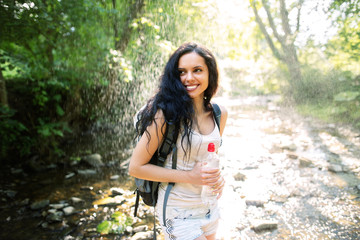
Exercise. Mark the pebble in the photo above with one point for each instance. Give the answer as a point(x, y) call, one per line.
point(58, 205)
point(114, 177)
point(87, 172)
point(69, 210)
point(70, 175)
point(76, 200)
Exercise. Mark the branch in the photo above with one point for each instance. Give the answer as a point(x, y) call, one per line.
point(274, 50)
point(298, 15)
point(285, 19)
point(271, 22)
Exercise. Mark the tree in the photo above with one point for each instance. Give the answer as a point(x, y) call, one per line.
point(345, 46)
point(3, 92)
point(281, 38)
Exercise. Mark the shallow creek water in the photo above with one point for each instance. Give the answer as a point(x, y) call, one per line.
point(287, 177)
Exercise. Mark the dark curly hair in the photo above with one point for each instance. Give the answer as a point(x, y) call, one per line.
point(172, 97)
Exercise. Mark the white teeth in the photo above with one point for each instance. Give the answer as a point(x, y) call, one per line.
point(191, 87)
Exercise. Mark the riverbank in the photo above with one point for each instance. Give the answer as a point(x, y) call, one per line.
point(287, 177)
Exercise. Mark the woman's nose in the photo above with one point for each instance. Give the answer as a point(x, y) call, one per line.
point(189, 76)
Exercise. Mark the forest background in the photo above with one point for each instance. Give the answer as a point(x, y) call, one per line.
point(73, 67)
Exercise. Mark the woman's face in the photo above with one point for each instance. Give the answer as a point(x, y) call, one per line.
point(194, 74)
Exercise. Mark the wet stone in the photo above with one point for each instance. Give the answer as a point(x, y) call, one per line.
point(239, 177)
point(70, 175)
point(142, 228)
point(55, 216)
point(39, 204)
point(256, 203)
point(16, 171)
point(335, 168)
point(129, 230)
point(292, 155)
point(24, 202)
point(93, 160)
point(117, 191)
point(263, 225)
point(76, 200)
point(114, 177)
point(58, 205)
point(10, 193)
point(143, 236)
point(87, 172)
point(304, 162)
point(87, 188)
point(69, 210)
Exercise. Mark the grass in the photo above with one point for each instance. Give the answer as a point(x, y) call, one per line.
point(327, 112)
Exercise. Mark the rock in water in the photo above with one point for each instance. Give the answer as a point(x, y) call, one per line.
point(149, 235)
point(94, 160)
point(263, 225)
point(40, 204)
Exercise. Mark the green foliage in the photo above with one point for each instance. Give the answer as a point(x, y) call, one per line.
point(117, 225)
point(70, 64)
point(344, 48)
point(13, 134)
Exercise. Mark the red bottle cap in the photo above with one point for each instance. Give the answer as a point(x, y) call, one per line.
point(211, 147)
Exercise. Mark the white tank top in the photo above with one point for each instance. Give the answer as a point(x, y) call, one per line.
point(186, 194)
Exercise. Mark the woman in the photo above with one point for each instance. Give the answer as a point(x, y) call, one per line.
point(189, 81)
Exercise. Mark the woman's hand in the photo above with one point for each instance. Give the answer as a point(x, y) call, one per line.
point(207, 176)
point(219, 187)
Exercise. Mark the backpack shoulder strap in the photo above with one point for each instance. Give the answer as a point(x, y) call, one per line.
point(217, 114)
point(170, 138)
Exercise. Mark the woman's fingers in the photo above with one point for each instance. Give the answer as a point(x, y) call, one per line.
point(211, 176)
point(218, 187)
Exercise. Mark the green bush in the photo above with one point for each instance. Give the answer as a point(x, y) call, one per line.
point(13, 134)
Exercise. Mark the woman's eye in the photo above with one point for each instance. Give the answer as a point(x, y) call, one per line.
point(198, 70)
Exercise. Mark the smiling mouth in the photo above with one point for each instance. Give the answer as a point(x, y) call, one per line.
point(191, 87)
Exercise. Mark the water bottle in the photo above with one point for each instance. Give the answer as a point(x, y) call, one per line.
point(212, 161)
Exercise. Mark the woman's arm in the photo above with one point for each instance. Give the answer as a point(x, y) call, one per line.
point(218, 186)
point(141, 168)
point(224, 115)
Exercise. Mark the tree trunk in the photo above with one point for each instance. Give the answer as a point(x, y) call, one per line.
point(287, 52)
point(123, 40)
point(3, 92)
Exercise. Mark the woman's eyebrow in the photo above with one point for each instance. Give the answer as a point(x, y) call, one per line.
point(199, 66)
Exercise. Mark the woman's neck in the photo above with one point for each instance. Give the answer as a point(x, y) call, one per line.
point(198, 105)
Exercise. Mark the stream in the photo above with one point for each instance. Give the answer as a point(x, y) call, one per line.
point(287, 177)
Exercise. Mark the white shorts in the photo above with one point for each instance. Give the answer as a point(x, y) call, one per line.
point(189, 223)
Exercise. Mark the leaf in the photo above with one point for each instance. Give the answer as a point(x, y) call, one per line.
point(59, 110)
point(346, 96)
point(104, 227)
point(58, 132)
point(45, 132)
